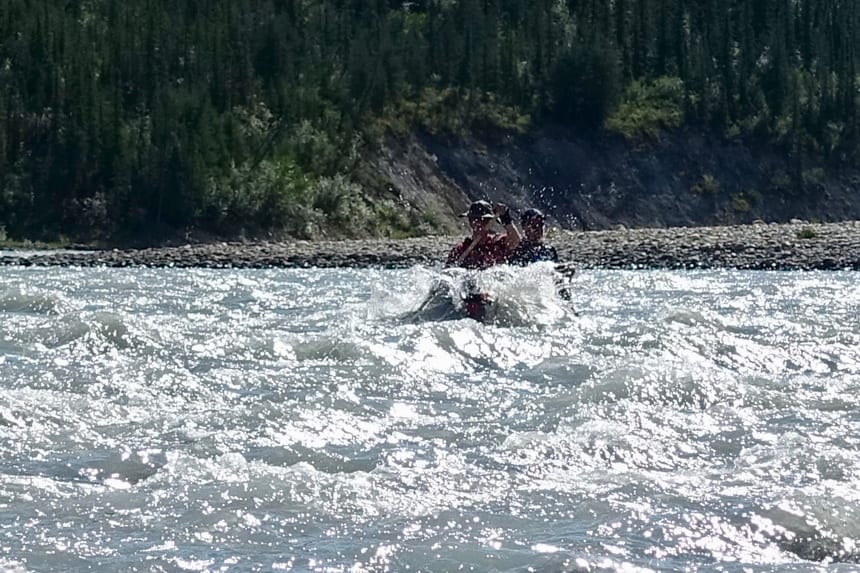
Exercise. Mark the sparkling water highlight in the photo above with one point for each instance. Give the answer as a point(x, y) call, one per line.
point(346, 420)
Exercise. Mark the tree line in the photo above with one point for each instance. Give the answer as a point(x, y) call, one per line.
point(119, 117)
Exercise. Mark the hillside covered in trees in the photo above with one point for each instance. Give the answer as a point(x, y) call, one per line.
point(122, 118)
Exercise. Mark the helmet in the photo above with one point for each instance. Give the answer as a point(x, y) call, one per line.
point(531, 215)
point(479, 210)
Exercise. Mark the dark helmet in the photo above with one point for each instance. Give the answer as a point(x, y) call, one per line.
point(479, 210)
point(530, 215)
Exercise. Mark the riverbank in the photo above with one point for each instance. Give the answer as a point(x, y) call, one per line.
point(795, 246)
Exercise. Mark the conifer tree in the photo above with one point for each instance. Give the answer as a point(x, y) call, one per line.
point(116, 114)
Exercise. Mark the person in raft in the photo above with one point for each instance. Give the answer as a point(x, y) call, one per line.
point(532, 249)
point(484, 248)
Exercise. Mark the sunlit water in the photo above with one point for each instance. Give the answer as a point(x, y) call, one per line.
point(311, 420)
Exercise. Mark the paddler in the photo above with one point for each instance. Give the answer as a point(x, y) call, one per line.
point(532, 248)
point(485, 248)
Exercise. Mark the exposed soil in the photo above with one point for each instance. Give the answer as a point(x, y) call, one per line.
point(596, 182)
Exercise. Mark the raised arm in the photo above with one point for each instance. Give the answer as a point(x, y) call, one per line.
point(513, 235)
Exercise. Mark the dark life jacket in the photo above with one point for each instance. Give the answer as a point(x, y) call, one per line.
point(529, 252)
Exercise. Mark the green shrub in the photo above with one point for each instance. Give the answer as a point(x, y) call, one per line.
point(740, 204)
point(833, 135)
point(429, 223)
point(279, 196)
point(448, 110)
point(733, 131)
point(391, 220)
point(708, 184)
point(269, 194)
point(780, 181)
point(339, 201)
point(813, 177)
point(318, 151)
point(806, 233)
point(753, 194)
point(647, 108)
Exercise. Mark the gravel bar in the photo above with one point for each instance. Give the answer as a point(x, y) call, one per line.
point(795, 246)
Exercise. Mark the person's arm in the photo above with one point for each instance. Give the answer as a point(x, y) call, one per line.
point(512, 233)
point(453, 254)
point(459, 253)
point(476, 240)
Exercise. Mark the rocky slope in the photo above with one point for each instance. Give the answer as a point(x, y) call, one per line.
point(603, 182)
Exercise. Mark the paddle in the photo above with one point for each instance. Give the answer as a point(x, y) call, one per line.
point(567, 270)
point(471, 246)
point(436, 289)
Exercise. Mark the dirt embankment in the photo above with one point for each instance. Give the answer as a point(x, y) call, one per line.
point(604, 182)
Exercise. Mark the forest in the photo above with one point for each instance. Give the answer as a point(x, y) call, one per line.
point(125, 118)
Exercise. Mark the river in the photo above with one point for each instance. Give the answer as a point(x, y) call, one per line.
point(307, 420)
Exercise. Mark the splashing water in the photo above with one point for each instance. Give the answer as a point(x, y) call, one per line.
point(512, 296)
point(311, 420)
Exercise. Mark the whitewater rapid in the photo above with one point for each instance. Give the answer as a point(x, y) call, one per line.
point(309, 420)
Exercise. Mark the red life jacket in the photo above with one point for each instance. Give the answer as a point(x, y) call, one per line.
point(493, 251)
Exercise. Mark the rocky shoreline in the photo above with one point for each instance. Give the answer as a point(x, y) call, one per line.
point(794, 246)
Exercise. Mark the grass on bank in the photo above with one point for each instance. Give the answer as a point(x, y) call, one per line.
point(61, 243)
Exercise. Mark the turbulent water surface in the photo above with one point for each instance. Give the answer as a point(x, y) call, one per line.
point(327, 420)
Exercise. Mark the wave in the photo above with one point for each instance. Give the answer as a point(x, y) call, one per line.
point(504, 296)
point(17, 301)
point(96, 333)
point(12, 566)
point(116, 470)
point(812, 529)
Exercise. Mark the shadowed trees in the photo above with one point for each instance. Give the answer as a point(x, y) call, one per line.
point(117, 117)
